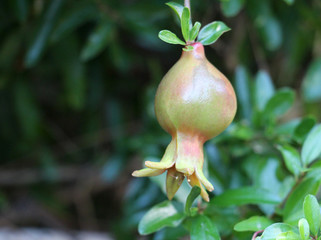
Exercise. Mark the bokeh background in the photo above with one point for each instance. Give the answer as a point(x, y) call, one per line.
point(77, 86)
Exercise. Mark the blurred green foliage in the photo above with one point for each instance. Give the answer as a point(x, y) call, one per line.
point(77, 85)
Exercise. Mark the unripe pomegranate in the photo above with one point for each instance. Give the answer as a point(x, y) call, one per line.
point(194, 103)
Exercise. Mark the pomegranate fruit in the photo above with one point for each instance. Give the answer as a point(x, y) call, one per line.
point(194, 103)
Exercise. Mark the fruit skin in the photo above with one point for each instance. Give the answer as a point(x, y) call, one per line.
point(194, 103)
point(195, 98)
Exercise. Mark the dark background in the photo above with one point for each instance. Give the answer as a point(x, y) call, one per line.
point(77, 85)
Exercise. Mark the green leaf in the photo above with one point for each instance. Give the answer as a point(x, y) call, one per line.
point(73, 19)
point(270, 30)
point(242, 88)
point(73, 72)
point(20, 8)
point(287, 128)
point(293, 207)
point(231, 8)
point(264, 89)
point(253, 224)
point(273, 33)
point(188, 48)
point(211, 32)
point(241, 131)
point(289, 2)
point(288, 236)
point(291, 158)
point(302, 130)
point(75, 84)
point(315, 171)
point(97, 41)
point(9, 49)
point(194, 32)
point(261, 168)
point(203, 228)
point(185, 23)
point(164, 214)
point(195, 192)
point(27, 110)
point(246, 195)
point(279, 104)
point(176, 233)
point(311, 83)
point(311, 209)
point(169, 37)
point(304, 229)
point(178, 8)
point(312, 145)
point(230, 215)
point(37, 47)
point(275, 229)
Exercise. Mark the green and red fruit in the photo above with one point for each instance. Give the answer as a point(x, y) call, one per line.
point(194, 103)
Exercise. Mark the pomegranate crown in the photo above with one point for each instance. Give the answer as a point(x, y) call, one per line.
point(206, 36)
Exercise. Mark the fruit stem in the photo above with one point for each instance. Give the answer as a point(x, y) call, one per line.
point(187, 4)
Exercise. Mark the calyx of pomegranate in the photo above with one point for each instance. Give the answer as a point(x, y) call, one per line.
point(194, 103)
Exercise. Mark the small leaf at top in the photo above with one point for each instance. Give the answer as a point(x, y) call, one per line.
point(211, 32)
point(194, 31)
point(169, 37)
point(195, 192)
point(185, 23)
point(178, 8)
point(311, 209)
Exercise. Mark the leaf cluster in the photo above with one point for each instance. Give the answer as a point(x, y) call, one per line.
point(171, 214)
point(207, 35)
point(308, 228)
